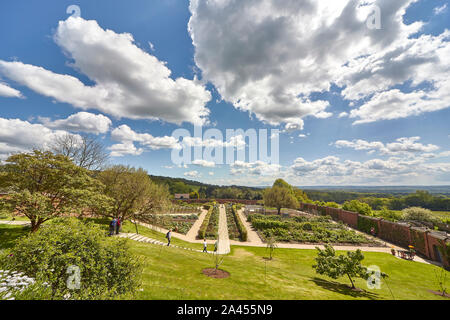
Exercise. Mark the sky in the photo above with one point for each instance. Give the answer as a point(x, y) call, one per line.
point(358, 90)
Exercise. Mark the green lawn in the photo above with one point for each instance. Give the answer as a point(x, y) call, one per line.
point(171, 273)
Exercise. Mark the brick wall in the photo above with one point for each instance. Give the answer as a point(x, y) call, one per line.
point(424, 241)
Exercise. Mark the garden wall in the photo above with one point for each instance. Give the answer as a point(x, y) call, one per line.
point(426, 242)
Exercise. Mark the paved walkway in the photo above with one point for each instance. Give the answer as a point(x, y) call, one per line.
point(252, 236)
point(15, 222)
point(224, 240)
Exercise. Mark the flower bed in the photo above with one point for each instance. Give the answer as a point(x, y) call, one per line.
point(178, 223)
point(303, 229)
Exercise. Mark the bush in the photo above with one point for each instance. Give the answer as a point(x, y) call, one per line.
point(240, 225)
point(419, 214)
point(202, 231)
point(357, 206)
point(107, 268)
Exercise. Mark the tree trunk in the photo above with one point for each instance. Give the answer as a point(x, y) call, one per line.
point(35, 225)
point(353, 285)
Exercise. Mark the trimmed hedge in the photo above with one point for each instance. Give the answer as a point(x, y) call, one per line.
point(202, 231)
point(240, 225)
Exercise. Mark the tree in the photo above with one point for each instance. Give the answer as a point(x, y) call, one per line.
point(44, 186)
point(133, 194)
point(419, 214)
point(281, 195)
point(84, 151)
point(358, 206)
point(327, 263)
point(271, 245)
point(194, 195)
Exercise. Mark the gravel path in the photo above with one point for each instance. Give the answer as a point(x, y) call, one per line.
point(224, 241)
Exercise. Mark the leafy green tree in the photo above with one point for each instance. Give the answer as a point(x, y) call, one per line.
point(419, 214)
point(280, 197)
point(43, 186)
point(194, 195)
point(68, 251)
point(336, 266)
point(358, 206)
point(132, 193)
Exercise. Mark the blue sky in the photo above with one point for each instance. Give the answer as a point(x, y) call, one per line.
point(309, 70)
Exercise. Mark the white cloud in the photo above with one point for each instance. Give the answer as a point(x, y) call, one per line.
point(129, 82)
point(80, 122)
point(254, 168)
point(203, 163)
point(237, 141)
point(393, 171)
point(211, 173)
point(440, 10)
point(7, 91)
point(21, 136)
point(343, 115)
point(400, 146)
point(268, 57)
point(192, 174)
point(124, 134)
point(126, 148)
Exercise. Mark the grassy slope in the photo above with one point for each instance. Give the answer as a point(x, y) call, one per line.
point(172, 273)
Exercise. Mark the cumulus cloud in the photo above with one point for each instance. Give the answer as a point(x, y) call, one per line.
point(269, 57)
point(394, 170)
point(203, 163)
point(21, 136)
point(400, 146)
point(127, 137)
point(129, 82)
point(254, 168)
point(123, 149)
point(192, 174)
point(7, 91)
point(80, 122)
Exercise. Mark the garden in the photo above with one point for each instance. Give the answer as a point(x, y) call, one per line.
point(210, 226)
point(307, 229)
point(180, 223)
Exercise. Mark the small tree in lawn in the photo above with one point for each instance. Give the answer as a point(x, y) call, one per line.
point(333, 266)
point(43, 186)
point(271, 245)
point(134, 195)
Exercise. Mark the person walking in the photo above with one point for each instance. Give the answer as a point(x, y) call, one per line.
point(112, 226)
point(205, 246)
point(169, 237)
point(118, 225)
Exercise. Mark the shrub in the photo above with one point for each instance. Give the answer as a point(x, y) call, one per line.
point(107, 268)
point(202, 231)
point(358, 206)
point(240, 225)
point(419, 214)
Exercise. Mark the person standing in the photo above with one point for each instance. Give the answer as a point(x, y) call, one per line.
point(205, 246)
point(112, 226)
point(169, 237)
point(118, 225)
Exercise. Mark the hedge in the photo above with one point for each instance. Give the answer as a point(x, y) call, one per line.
point(240, 225)
point(202, 231)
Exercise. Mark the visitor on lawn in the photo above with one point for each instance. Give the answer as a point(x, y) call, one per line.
point(112, 226)
point(205, 246)
point(216, 244)
point(118, 225)
point(169, 236)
